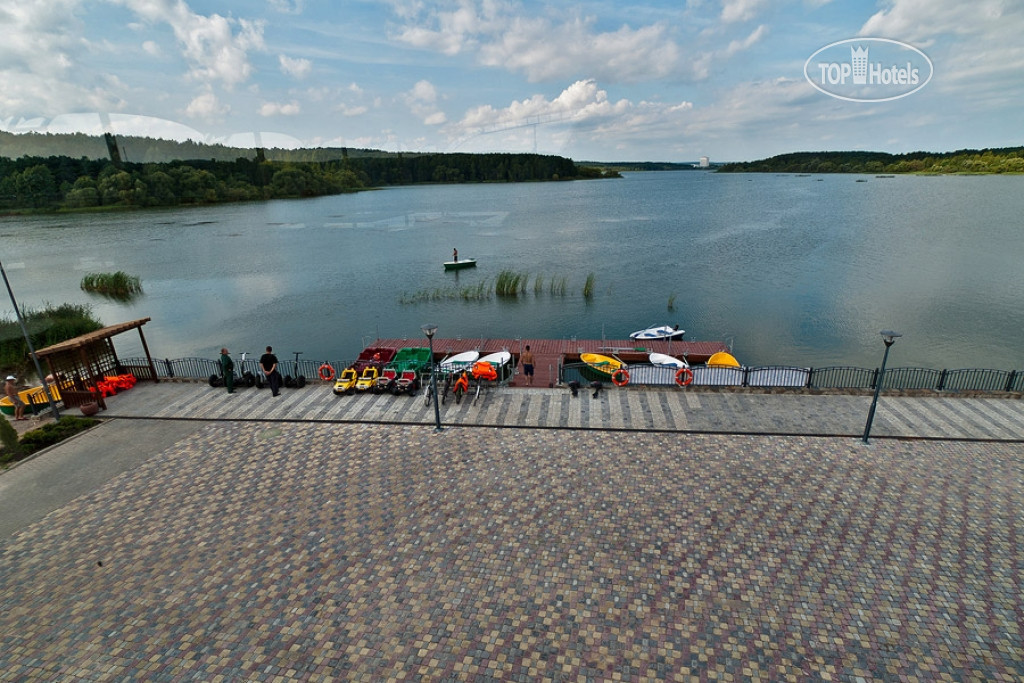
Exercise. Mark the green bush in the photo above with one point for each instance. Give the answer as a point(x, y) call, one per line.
point(11, 450)
point(119, 285)
point(55, 432)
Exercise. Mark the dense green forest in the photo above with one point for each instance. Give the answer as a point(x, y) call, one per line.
point(87, 181)
point(1003, 160)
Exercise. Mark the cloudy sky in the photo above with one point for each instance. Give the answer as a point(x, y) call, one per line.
point(667, 80)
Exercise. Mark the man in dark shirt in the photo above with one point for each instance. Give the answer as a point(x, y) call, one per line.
point(227, 366)
point(268, 362)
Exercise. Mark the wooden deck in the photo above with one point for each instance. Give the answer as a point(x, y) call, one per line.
point(550, 353)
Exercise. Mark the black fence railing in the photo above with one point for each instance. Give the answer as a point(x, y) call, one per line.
point(834, 377)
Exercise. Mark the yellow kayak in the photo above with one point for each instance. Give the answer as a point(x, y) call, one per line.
point(722, 358)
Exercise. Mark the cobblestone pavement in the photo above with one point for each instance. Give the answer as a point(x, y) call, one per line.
point(301, 551)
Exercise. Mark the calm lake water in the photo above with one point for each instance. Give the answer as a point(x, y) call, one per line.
point(790, 270)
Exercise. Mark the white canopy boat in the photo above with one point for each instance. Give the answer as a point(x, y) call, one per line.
point(660, 333)
point(460, 361)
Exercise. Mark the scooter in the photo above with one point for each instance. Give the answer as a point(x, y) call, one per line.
point(299, 380)
point(243, 377)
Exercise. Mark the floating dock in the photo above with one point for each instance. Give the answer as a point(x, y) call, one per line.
point(549, 354)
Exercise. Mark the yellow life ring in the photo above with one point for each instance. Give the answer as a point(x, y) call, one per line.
point(684, 376)
point(620, 377)
point(326, 372)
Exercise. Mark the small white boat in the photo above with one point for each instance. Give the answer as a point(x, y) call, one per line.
point(460, 264)
point(500, 358)
point(661, 332)
point(460, 361)
point(663, 360)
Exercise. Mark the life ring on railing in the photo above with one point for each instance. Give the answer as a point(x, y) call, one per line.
point(620, 377)
point(326, 372)
point(684, 376)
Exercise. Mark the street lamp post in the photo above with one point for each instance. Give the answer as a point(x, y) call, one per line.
point(889, 338)
point(430, 331)
point(28, 341)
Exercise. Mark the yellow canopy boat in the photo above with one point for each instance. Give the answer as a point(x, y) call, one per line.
point(723, 359)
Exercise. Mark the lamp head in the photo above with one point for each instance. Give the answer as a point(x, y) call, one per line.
point(429, 330)
point(889, 337)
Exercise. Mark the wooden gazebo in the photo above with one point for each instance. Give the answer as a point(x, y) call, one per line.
point(78, 365)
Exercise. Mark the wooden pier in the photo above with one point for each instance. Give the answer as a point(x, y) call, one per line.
point(549, 354)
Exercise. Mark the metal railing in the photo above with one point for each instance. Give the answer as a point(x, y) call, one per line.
point(835, 377)
point(832, 377)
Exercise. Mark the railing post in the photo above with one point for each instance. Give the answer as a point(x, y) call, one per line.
point(1010, 380)
point(170, 368)
point(942, 380)
point(874, 379)
point(810, 374)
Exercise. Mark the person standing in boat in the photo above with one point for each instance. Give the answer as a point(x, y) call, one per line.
point(455, 255)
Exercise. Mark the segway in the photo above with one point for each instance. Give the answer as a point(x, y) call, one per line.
point(299, 380)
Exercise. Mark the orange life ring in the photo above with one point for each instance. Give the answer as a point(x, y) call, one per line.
point(684, 376)
point(620, 377)
point(326, 372)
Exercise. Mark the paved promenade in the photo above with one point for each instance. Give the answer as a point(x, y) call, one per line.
point(631, 408)
point(660, 535)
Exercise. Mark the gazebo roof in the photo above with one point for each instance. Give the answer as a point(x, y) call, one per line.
point(91, 337)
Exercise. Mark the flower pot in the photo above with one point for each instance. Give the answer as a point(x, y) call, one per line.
point(89, 409)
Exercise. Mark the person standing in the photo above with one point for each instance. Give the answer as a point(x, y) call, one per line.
point(527, 360)
point(455, 255)
point(11, 390)
point(227, 366)
point(268, 362)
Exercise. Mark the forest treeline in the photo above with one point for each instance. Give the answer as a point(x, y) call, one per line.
point(1002, 160)
point(86, 181)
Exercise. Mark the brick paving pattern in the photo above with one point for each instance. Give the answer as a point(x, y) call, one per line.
point(300, 551)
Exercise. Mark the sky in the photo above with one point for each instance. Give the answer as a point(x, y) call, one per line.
point(658, 80)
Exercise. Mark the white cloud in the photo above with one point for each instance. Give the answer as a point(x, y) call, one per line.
point(151, 48)
point(216, 47)
point(741, 10)
point(972, 45)
point(737, 46)
point(206, 107)
point(280, 109)
point(504, 35)
point(422, 102)
point(287, 6)
point(297, 68)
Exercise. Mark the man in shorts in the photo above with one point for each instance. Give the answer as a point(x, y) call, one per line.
point(11, 390)
point(527, 360)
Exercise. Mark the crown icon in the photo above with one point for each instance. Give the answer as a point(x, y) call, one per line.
point(859, 65)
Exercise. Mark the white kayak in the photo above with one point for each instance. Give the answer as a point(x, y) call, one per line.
point(663, 360)
point(459, 361)
point(662, 332)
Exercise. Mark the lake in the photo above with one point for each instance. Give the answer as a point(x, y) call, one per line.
point(790, 270)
